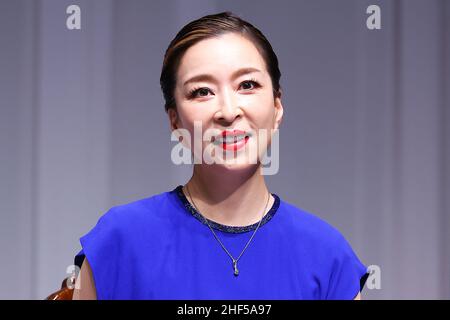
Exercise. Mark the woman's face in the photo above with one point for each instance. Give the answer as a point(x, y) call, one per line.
point(222, 84)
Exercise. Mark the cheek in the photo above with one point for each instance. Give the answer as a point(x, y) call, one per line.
point(191, 114)
point(196, 121)
point(260, 107)
point(262, 115)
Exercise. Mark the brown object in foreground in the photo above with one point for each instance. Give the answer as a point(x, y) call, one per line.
point(65, 293)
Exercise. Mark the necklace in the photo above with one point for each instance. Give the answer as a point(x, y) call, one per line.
point(234, 261)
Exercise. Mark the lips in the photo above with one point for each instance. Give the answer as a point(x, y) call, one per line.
point(232, 140)
point(233, 132)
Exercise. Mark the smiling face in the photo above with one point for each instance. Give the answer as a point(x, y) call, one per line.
point(223, 84)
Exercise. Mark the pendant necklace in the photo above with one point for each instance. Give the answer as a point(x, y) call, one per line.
point(234, 261)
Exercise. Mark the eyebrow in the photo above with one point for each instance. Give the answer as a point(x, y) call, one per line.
point(210, 77)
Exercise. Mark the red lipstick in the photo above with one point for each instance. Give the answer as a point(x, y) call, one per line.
point(233, 140)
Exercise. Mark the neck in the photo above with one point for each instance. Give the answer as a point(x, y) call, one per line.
point(230, 197)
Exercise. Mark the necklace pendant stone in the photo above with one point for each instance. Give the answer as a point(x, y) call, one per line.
point(236, 271)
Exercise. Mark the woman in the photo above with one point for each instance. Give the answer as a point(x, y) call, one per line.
point(222, 235)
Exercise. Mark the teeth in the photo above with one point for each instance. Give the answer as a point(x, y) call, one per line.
point(230, 139)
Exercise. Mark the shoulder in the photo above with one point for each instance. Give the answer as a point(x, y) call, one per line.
point(309, 227)
point(126, 225)
point(147, 211)
point(326, 253)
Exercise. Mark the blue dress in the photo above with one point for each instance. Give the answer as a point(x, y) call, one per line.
point(160, 247)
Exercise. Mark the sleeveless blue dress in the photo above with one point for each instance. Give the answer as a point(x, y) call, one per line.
point(160, 247)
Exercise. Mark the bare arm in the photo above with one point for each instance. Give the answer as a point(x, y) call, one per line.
point(85, 286)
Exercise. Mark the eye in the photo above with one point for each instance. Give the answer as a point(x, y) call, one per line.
point(250, 84)
point(194, 93)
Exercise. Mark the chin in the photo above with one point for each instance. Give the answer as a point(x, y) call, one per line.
point(236, 165)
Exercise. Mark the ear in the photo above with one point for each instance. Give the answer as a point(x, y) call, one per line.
point(278, 118)
point(173, 118)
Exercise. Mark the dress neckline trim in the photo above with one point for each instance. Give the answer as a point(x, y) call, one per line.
point(222, 227)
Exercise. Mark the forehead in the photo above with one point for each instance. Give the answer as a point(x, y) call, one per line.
point(220, 56)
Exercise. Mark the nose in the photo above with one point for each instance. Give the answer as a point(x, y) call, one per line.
point(228, 110)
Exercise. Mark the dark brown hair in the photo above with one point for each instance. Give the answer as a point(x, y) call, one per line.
point(208, 27)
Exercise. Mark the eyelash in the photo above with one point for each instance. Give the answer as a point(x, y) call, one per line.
point(193, 92)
